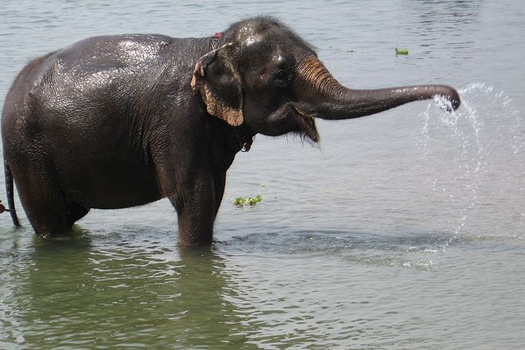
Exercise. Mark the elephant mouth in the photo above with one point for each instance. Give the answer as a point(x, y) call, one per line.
point(289, 119)
point(306, 124)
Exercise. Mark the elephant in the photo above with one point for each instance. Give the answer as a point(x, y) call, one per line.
point(119, 121)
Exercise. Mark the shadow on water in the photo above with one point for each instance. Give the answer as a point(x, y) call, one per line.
point(413, 250)
point(85, 290)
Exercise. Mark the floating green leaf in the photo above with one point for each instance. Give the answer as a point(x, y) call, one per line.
point(401, 51)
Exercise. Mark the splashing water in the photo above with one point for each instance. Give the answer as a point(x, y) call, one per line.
point(474, 158)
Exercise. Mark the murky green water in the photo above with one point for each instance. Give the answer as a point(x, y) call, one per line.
point(400, 231)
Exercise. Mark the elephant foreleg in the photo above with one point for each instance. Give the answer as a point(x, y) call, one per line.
point(220, 183)
point(196, 208)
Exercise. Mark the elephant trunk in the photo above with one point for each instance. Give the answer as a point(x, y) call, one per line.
point(327, 99)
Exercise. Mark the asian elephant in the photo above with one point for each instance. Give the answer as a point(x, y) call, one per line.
point(120, 121)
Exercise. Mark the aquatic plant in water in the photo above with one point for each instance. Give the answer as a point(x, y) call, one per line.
point(251, 201)
point(241, 201)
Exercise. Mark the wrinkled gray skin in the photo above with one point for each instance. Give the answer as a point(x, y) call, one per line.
point(119, 121)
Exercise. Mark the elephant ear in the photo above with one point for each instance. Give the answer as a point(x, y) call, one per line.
point(219, 84)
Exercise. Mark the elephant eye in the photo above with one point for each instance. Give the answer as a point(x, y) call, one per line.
point(281, 78)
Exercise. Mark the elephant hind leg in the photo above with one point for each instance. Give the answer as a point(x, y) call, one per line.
point(75, 213)
point(42, 199)
point(47, 213)
point(54, 218)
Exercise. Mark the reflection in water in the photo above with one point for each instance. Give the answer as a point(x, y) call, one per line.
point(74, 292)
point(125, 289)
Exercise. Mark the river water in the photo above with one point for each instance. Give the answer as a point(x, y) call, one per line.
point(404, 230)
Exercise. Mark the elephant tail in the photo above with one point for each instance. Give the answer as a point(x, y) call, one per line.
point(10, 194)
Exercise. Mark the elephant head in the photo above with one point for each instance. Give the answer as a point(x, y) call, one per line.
point(265, 76)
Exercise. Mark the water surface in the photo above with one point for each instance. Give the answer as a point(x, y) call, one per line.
point(398, 231)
